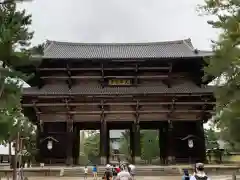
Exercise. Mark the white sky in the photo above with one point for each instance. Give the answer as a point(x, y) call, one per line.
point(119, 21)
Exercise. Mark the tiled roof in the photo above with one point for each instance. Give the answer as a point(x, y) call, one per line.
point(81, 90)
point(168, 49)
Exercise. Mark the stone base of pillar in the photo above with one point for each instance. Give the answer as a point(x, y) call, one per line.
point(69, 161)
point(171, 159)
point(103, 160)
point(137, 160)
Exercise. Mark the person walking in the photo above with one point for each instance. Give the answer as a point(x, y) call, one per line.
point(132, 170)
point(85, 172)
point(199, 174)
point(124, 175)
point(108, 174)
point(94, 170)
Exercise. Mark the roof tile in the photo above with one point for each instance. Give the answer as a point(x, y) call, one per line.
point(168, 49)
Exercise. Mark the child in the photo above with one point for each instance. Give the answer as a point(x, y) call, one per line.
point(94, 170)
point(185, 175)
point(85, 172)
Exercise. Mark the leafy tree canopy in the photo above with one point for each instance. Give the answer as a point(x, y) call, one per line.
point(226, 64)
point(14, 43)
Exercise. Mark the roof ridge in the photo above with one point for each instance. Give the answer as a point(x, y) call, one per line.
point(121, 44)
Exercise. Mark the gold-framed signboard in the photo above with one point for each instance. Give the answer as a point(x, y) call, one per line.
point(119, 82)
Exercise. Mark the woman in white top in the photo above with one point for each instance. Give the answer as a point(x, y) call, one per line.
point(85, 172)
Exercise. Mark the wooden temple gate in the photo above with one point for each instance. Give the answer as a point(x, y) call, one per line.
point(108, 86)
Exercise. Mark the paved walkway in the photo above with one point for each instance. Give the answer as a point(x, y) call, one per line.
point(223, 177)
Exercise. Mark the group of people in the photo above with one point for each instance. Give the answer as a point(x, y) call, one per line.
point(198, 173)
point(127, 172)
point(120, 172)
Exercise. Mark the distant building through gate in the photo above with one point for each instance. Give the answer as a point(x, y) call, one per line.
point(133, 86)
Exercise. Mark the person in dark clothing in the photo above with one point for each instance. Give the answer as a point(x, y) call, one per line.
point(108, 174)
point(114, 171)
point(185, 175)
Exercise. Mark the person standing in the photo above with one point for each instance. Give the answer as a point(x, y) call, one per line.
point(108, 174)
point(94, 170)
point(85, 172)
point(200, 174)
point(124, 175)
point(185, 175)
point(132, 170)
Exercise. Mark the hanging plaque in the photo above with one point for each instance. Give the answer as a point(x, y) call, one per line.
point(119, 82)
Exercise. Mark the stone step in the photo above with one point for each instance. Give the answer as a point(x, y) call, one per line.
point(139, 172)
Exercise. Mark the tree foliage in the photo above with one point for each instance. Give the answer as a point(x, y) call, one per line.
point(211, 139)
point(14, 43)
point(149, 145)
point(225, 64)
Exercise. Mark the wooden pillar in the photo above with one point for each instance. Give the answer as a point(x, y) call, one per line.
point(69, 143)
point(76, 144)
point(104, 142)
point(132, 147)
point(108, 145)
point(201, 147)
point(136, 143)
point(163, 142)
point(38, 156)
point(170, 143)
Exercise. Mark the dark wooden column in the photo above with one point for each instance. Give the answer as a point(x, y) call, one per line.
point(136, 151)
point(132, 147)
point(201, 146)
point(69, 143)
point(76, 145)
point(103, 137)
point(108, 145)
point(103, 142)
point(38, 156)
point(170, 143)
point(163, 142)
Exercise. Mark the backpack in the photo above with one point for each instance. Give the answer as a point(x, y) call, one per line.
point(200, 178)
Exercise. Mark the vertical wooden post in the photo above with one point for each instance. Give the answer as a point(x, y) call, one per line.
point(163, 142)
point(69, 160)
point(136, 143)
point(103, 137)
point(170, 143)
point(201, 150)
point(103, 142)
point(136, 136)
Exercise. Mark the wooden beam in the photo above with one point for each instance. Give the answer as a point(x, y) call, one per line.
point(172, 108)
point(67, 106)
point(128, 112)
point(38, 112)
point(102, 111)
point(99, 95)
point(99, 77)
point(99, 69)
point(69, 80)
point(136, 75)
point(102, 74)
point(115, 104)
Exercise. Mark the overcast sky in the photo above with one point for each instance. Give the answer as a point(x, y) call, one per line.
point(119, 21)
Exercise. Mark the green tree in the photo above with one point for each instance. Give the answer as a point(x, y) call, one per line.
point(149, 145)
point(14, 41)
point(211, 139)
point(124, 144)
point(224, 65)
point(92, 147)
